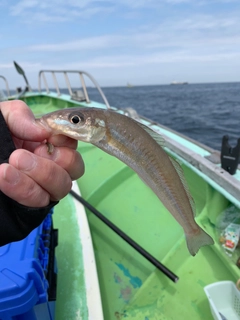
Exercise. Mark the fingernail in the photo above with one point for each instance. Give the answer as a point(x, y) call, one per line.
point(11, 175)
point(26, 162)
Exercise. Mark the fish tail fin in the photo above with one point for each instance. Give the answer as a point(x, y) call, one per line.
point(196, 241)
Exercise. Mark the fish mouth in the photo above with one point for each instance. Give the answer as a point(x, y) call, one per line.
point(43, 123)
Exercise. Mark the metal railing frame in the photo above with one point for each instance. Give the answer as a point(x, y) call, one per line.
point(6, 84)
point(41, 75)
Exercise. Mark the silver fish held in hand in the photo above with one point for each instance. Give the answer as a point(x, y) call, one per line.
point(140, 148)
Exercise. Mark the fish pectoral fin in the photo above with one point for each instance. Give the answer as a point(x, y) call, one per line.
point(155, 135)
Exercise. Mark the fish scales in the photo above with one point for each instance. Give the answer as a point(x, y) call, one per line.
point(136, 146)
point(140, 149)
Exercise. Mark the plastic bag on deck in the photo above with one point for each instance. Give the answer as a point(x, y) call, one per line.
point(228, 226)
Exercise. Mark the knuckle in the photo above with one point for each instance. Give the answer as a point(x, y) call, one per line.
point(58, 182)
point(33, 195)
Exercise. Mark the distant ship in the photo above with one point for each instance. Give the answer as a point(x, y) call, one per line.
point(129, 85)
point(179, 82)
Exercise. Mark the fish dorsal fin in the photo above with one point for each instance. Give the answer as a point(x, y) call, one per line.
point(180, 173)
point(156, 136)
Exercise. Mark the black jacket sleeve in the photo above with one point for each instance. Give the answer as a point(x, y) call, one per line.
point(16, 220)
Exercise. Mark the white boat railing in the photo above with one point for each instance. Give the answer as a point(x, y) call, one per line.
point(74, 94)
point(6, 85)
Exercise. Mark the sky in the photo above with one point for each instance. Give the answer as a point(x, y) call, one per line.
point(141, 42)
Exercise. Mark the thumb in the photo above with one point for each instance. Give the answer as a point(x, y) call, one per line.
point(21, 121)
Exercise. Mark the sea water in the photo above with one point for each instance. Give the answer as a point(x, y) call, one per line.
point(204, 112)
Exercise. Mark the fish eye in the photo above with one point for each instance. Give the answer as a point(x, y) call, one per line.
point(76, 118)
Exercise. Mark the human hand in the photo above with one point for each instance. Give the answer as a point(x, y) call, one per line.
point(33, 177)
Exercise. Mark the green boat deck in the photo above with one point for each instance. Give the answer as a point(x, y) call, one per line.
point(131, 288)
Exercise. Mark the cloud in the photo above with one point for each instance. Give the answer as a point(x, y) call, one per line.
point(100, 42)
point(22, 6)
point(24, 65)
point(129, 61)
point(200, 32)
point(6, 65)
point(57, 10)
point(156, 59)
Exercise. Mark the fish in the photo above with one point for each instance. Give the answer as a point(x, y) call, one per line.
point(141, 149)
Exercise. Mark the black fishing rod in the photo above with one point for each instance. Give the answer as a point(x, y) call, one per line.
point(125, 237)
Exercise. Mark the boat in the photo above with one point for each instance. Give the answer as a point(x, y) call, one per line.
point(178, 82)
point(121, 255)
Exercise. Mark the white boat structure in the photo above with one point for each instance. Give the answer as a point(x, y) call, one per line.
point(178, 82)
